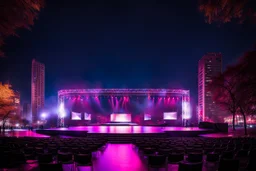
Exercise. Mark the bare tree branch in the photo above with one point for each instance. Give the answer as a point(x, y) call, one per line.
point(17, 14)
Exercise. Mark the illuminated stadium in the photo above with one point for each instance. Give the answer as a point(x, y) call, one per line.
point(141, 106)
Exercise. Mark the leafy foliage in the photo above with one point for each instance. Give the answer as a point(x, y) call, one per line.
point(6, 102)
point(224, 11)
point(16, 14)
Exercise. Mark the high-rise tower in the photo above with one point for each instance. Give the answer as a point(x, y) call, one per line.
point(209, 65)
point(37, 89)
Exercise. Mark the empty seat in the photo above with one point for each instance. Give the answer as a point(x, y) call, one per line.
point(83, 160)
point(195, 157)
point(187, 166)
point(165, 151)
point(212, 157)
point(66, 158)
point(45, 158)
point(227, 154)
point(50, 166)
point(175, 157)
point(148, 151)
point(242, 153)
point(157, 161)
point(228, 164)
point(208, 150)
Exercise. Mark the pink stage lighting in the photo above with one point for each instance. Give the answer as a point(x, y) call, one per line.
point(120, 117)
point(170, 115)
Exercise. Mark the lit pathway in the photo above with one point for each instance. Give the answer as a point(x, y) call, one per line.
point(119, 157)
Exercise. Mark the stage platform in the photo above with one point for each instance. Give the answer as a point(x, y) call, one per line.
point(126, 131)
point(119, 124)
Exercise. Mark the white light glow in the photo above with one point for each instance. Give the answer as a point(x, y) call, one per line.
point(186, 110)
point(120, 117)
point(43, 115)
point(17, 125)
point(147, 117)
point(76, 116)
point(170, 115)
point(62, 111)
point(87, 116)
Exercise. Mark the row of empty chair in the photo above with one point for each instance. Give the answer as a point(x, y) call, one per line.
point(198, 153)
point(187, 153)
point(49, 153)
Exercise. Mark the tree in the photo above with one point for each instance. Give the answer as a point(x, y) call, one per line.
point(14, 119)
point(6, 103)
point(224, 11)
point(234, 90)
point(223, 90)
point(248, 72)
point(16, 14)
point(246, 85)
point(238, 84)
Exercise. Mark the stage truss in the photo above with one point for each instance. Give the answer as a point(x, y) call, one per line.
point(184, 94)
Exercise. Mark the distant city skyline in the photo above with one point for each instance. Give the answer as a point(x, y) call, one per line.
point(37, 89)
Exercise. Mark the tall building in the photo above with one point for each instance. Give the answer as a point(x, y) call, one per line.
point(37, 89)
point(16, 103)
point(209, 65)
point(26, 111)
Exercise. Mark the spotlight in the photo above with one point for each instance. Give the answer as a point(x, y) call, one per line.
point(43, 115)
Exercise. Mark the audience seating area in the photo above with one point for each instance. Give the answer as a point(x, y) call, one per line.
point(199, 153)
point(186, 153)
point(49, 153)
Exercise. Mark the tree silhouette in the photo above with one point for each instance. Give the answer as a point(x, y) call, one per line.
point(234, 90)
point(246, 85)
point(223, 88)
point(224, 11)
point(16, 14)
point(248, 72)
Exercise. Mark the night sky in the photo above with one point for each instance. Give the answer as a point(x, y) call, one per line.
point(120, 44)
